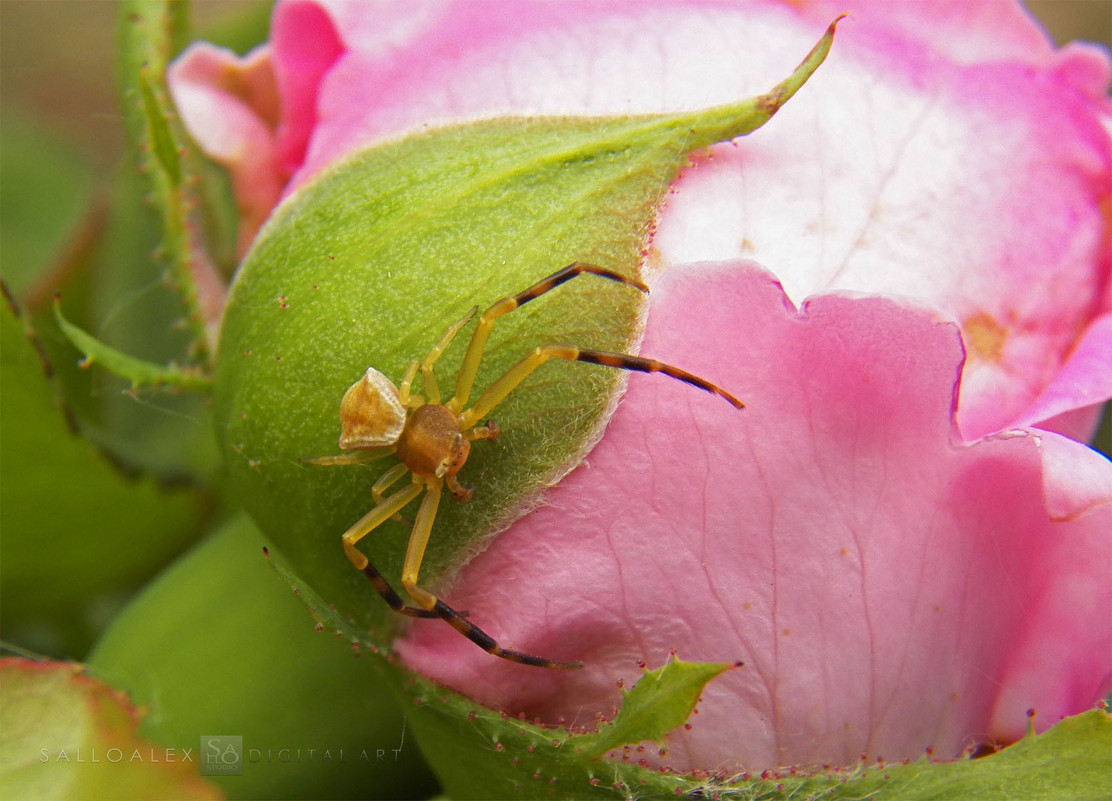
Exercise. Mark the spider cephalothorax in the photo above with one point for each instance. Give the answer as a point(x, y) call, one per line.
point(432, 441)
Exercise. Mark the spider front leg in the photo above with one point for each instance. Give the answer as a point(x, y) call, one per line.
point(349, 458)
point(415, 552)
point(474, 355)
point(425, 366)
point(498, 391)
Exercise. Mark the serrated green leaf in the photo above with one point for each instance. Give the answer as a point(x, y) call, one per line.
point(64, 735)
point(140, 373)
point(368, 263)
point(73, 526)
point(661, 701)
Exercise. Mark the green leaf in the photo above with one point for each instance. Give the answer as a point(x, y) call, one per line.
point(367, 264)
point(140, 373)
point(1070, 760)
point(73, 526)
point(48, 191)
point(65, 735)
point(661, 701)
point(219, 645)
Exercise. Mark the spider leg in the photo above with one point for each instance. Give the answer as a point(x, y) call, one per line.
point(351, 457)
point(366, 524)
point(412, 565)
point(428, 377)
point(405, 397)
point(385, 481)
point(489, 430)
point(375, 518)
point(392, 598)
point(497, 391)
point(470, 367)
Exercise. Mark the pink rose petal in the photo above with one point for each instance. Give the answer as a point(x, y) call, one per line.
point(867, 181)
point(1077, 479)
point(306, 46)
point(230, 108)
point(1083, 380)
point(1062, 660)
point(874, 574)
point(864, 182)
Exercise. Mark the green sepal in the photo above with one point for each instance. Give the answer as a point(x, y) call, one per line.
point(141, 374)
point(662, 700)
point(481, 753)
point(151, 31)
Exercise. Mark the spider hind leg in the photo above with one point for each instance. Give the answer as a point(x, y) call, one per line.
point(382, 586)
point(410, 569)
point(488, 644)
point(509, 380)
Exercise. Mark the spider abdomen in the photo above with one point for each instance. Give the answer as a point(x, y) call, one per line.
point(431, 443)
point(370, 413)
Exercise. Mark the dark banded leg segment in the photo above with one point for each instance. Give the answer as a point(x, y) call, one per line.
point(382, 586)
point(470, 366)
point(562, 276)
point(461, 624)
point(624, 361)
point(414, 553)
point(487, 643)
point(509, 381)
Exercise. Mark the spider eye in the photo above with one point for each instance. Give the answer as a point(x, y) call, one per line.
point(458, 453)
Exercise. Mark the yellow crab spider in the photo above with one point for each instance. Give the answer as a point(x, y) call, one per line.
point(432, 440)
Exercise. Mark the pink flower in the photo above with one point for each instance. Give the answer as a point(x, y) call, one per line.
point(888, 587)
point(902, 536)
